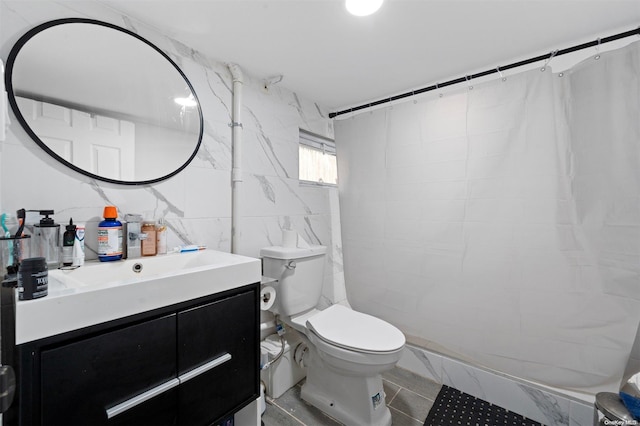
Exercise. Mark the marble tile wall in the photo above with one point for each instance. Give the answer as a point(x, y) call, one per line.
point(196, 203)
point(547, 406)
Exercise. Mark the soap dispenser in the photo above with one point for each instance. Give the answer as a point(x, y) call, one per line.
point(47, 239)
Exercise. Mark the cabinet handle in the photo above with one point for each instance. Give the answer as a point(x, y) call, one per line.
point(153, 392)
point(204, 368)
point(139, 399)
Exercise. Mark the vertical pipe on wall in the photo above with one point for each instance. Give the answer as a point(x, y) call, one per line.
point(236, 143)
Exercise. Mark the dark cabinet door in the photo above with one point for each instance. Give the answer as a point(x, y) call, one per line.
point(217, 358)
point(128, 374)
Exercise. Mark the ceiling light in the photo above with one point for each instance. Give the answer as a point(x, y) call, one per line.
point(186, 102)
point(363, 7)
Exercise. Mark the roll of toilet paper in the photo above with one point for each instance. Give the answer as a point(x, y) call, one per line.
point(289, 238)
point(267, 298)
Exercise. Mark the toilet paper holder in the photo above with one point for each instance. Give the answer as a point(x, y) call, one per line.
point(267, 298)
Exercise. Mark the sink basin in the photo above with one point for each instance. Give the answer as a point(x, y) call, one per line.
point(109, 274)
point(103, 291)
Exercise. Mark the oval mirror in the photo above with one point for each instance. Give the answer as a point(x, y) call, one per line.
point(104, 101)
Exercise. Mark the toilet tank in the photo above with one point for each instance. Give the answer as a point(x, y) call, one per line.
point(300, 274)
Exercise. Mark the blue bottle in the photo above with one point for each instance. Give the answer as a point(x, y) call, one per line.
point(110, 236)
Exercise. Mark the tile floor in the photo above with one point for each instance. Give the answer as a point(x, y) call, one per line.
point(409, 398)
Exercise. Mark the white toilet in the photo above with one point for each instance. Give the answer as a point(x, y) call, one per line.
point(348, 350)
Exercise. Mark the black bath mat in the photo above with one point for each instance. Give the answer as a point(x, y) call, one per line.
point(453, 407)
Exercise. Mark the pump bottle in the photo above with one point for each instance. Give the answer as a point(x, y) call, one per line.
point(47, 239)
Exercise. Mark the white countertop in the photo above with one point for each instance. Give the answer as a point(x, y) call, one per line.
point(103, 291)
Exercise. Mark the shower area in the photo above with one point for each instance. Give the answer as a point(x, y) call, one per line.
point(500, 221)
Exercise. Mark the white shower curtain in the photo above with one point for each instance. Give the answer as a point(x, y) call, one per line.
point(503, 222)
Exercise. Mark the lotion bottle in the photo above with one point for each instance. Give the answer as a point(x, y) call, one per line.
point(78, 245)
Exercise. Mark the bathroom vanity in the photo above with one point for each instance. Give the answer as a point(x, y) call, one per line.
point(176, 342)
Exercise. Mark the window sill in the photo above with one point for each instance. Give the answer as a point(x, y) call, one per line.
point(317, 184)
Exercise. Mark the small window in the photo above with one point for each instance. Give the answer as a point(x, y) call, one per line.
point(317, 160)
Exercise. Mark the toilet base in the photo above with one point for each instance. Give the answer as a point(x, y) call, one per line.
point(354, 400)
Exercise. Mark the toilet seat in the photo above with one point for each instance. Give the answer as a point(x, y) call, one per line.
point(355, 331)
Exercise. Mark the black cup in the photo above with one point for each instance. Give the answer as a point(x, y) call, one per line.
point(33, 278)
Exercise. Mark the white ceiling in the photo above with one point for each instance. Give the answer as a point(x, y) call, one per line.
point(338, 60)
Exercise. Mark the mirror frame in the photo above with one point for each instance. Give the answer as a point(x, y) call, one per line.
point(14, 106)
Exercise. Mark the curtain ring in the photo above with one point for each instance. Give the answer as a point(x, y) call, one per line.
point(466, 77)
point(439, 94)
point(551, 55)
point(501, 75)
point(413, 94)
point(597, 50)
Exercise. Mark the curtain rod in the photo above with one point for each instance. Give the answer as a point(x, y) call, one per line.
point(492, 71)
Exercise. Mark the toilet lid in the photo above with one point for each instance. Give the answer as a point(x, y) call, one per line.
point(356, 331)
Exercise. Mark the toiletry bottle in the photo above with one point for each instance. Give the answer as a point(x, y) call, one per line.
point(68, 239)
point(47, 239)
point(78, 245)
point(110, 236)
point(149, 242)
point(161, 236)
